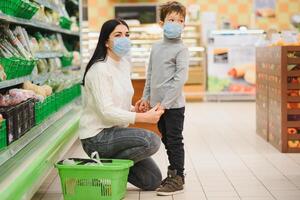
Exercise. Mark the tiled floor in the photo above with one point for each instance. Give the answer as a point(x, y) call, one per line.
point(225, 160)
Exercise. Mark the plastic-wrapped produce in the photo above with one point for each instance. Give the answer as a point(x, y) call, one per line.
point(44, 90)
point(9, 49)
point(22, 95)
point(42, 66)
point(16, 43)
point(2, 74)
point(4, 51)
point(20, 34)
point(62, 45)
point(43, 43)
point(4, 100)
point(34, 45)
point(27, 39)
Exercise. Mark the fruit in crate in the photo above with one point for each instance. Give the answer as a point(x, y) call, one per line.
point(292, 131)
point(44, 90)
point(47, 89)
point(293, 144)
point(293, 105)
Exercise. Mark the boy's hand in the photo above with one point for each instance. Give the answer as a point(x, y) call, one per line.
point(141, 106)
point(144, 106)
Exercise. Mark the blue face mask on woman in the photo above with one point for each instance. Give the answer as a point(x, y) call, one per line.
point(172, 30)
point(121, 46)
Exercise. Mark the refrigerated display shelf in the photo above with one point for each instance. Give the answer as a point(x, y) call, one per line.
point(22, 175)
point(17, 81)
point(36, 24)
point(48, 4)
point(50, 54)
point(27, 138)
point(224, 96)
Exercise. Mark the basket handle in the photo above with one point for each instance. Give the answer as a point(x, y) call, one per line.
point(95, 157)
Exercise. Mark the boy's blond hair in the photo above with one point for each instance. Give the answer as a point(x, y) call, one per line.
point(169, 7)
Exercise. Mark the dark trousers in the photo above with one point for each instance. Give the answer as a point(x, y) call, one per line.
point(170, 126)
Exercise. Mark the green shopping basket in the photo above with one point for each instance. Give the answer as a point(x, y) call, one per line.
point(94, 182)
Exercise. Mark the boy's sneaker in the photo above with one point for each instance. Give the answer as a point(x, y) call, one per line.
point(173, 184)
point(162, 183)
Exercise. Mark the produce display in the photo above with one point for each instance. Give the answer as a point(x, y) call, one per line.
point(46, 43)
point(14, 43)
point(47, 15)
point(294, 144)
point(293, 131)
point(277, 99)
point(44, 90)
point(59, 81)
point(245, 71)
point(48, 65)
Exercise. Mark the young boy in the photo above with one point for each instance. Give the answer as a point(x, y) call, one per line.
point(166, 75)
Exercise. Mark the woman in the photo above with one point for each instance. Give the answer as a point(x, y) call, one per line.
point(107, 109)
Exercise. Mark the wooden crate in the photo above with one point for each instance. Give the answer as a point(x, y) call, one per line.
point(262, 109)
point(273, 99)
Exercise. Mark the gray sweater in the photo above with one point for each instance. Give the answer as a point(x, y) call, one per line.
point(167, 73)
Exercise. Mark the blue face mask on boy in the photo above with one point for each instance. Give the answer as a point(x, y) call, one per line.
point(121, 46)
point(172, 30)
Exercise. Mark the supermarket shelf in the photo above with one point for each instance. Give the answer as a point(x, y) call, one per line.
point(228, 96)
point(293, 111)
point(159, 38)
point(17, 81)
point(293, 99)
point(8, 83)
point(293, 150)
point(293, 73)
point(235, 32)
point(293, 86)
point(146, 59)
point(21, 176)
point(36, 24)
point(71, 67)
point(50, 54)
point(47, 4)
point(150, 42)
point(294, 137)
point(293, 123)
point(41, 78)
point(18, 145)
point(293, 60)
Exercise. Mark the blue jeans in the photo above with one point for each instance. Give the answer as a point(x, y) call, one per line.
point(133, 144)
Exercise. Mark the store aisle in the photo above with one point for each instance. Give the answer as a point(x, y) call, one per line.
point(225, 160)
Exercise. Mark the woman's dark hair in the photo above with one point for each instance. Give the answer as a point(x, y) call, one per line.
point(101, 50)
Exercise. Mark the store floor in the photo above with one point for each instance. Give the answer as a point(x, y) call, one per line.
point(225, 160)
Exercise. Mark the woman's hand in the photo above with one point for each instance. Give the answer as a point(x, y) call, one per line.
point(152, 116)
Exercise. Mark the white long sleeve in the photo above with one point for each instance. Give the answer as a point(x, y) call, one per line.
point(107, 98)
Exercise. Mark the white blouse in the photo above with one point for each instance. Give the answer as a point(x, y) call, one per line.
point(107, 97)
